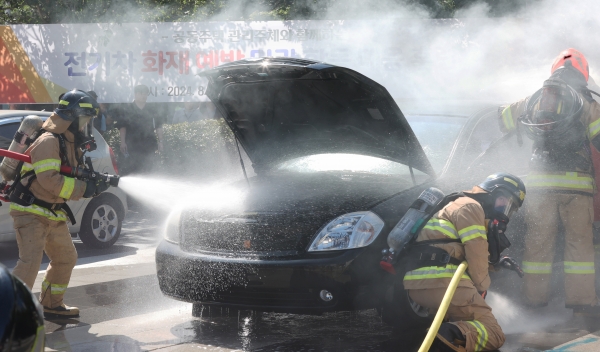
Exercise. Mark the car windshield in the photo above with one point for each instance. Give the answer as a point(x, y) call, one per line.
point(346, 163)
point(437, 135)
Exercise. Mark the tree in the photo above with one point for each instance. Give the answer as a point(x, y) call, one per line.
point(119, 11)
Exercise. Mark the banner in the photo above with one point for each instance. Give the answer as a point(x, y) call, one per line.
point(497, 59)
point(39, 62)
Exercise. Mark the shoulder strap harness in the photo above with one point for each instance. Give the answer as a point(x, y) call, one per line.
point(21, 195)
point(421, 254)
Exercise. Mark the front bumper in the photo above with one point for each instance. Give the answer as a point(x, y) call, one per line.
point(284, 285)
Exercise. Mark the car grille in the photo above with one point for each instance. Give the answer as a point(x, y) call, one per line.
point(272, 234)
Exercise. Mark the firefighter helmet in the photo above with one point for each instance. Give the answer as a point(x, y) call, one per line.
point(76, 103)
point(509, 186)
point(22, 323)
point(575, 58)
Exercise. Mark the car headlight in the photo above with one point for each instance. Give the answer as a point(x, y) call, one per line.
point(353, 230)
point(173, 226)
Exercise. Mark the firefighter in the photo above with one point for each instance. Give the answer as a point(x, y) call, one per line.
point(469, 228)
point(562, 119)
point(22, 322)
point(38, 200)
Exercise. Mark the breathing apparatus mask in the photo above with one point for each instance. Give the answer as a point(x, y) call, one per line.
point(504, 207)
point(552, 112)
point(500, 195)
point(81, 127)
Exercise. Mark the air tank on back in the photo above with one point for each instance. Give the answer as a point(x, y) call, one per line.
point(28, 130)
point(410, 223)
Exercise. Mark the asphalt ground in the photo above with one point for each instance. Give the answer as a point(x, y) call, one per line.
point(122, 309)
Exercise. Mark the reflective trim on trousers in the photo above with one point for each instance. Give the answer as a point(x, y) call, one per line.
point(537, 268)
point(569, 180)
point(433, 272)
point(472, 232)
point(443, 226)
point(55, 289)
point(579, 268)
point(482, 335)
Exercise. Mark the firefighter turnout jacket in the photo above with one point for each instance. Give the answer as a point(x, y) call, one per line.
point(462, 220)
point(49, 185)
point(573, 171)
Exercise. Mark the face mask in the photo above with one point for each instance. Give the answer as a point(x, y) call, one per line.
point(83, 133)
point(505, 203)
point(497, 240)
point(84, 124)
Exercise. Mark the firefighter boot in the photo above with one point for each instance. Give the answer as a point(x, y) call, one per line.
point(61, 311)
point(449, 339)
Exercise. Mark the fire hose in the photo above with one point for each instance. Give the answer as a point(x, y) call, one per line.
point(441, 313)
point(75, 172)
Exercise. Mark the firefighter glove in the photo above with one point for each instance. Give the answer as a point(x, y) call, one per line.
point(511, 264)
point(94, 188)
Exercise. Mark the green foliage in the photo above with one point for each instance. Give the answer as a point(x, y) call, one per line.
point(121, 11)
point(112, 138)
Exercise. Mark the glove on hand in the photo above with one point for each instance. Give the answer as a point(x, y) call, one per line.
point(511, 264)
point(94, 188)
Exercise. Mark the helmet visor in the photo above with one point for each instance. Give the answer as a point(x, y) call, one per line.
point(84, 122)
point(550, 109)
point(506, 203)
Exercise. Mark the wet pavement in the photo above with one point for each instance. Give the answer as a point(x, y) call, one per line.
point(122, 309)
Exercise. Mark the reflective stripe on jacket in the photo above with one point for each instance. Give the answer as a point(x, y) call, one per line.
point(462, 219)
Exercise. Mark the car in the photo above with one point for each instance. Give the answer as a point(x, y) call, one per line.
point(99, 219)
point(336, 165)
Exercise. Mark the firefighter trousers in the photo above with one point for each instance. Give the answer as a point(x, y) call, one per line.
point(469, 312)
point(35, 235)
point(576, 212)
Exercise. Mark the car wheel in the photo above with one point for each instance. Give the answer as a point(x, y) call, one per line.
point(101, 222)
point(399, 310)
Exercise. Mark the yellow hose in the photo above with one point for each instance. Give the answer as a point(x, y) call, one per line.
point(441, 313)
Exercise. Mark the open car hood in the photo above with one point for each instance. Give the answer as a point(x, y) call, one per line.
point(283, 108)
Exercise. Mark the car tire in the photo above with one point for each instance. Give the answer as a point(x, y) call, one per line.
point(101, 222)
point(400, 311)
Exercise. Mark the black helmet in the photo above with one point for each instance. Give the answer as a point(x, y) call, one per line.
point(552, 111)
point(21, 317)
point(507, 185)
point(76, 103)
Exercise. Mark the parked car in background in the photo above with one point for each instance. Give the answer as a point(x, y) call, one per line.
point(99, 219)
point(337, 165)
